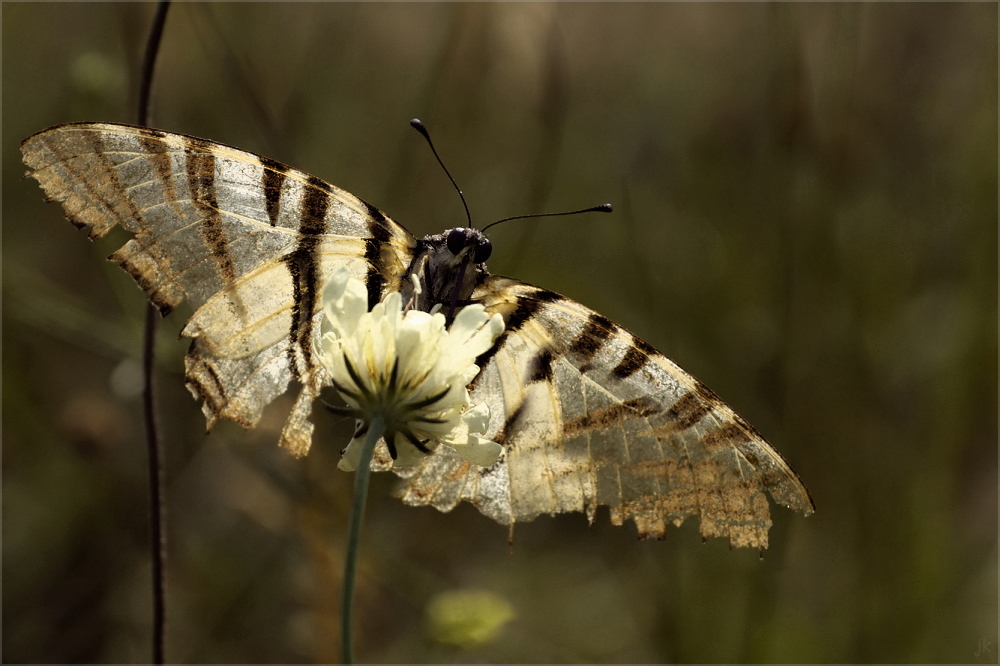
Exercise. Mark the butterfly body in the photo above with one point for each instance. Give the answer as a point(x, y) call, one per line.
point(447, 268)
point(587, 414)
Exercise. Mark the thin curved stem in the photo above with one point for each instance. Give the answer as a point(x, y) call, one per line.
point(149, 61)
point(361, 478)
point(157, 509)
point(158, 539)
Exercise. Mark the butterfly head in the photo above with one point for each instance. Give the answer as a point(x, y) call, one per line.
point(471, 241)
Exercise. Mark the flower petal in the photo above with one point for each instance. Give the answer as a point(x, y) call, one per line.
point(345, 300)
point(479, 451)
point(477, 418)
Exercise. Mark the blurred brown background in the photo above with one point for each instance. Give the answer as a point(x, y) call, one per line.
point(806, 219)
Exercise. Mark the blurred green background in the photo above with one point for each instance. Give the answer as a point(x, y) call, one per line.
point(806, 219)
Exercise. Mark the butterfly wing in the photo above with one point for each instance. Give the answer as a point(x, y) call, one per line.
point(248, 241)
point(590, 415)
point(587, 413)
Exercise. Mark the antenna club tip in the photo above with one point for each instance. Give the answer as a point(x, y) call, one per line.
point(605, 208)
point(419, 126)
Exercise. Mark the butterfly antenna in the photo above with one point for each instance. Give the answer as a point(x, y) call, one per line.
point(603, 208)
point(419, 126)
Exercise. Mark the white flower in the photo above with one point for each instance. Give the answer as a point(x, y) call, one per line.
point(408, 370)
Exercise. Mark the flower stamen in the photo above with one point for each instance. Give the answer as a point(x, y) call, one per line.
point(390, 443)
point(421, 446)
point(394, 375)
point(343, 390)
point(356, 378)
point(427, 419)
point(427, 402)
point(339, 411)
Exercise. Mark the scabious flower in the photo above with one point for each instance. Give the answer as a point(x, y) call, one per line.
point(407, 371)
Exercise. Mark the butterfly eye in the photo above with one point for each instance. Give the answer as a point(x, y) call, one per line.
point(456, 240)
point(483, 250)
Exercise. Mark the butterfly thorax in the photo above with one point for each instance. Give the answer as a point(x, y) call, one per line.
point(446, 277)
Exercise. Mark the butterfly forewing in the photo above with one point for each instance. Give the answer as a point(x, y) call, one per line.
point(248, 241)
point(594, 416)
point(587, 414)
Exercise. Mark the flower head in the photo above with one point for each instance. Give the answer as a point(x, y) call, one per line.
point(408, 370)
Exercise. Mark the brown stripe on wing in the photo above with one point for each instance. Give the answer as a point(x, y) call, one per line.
point(630, 364)
point(527, 306)
point(272, 179)
point(641, 407)
point(594, 335)
point(158, 154)
point(106, 188)
point(158, 294)
point(687, 412)
point(540, 367)
point(691, 408)
point(203, 380)
point(635, 358)
point(723, 435)
point(510, 426)
point(303, 267)
point(376, 253)
point(201, 181)
point(114, 197)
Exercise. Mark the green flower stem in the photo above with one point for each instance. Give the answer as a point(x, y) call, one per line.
point(361, 476)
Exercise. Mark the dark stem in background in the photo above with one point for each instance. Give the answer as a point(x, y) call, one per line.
point(158, 540)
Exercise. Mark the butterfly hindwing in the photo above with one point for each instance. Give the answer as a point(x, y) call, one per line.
point(589, 415)
point(248, 241)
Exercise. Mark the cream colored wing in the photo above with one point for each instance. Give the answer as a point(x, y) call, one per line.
point(589, 415)
point(248, 241)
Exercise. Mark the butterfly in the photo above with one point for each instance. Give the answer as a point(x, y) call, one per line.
point(587, 413)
